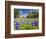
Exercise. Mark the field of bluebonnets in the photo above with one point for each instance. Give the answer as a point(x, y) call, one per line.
point(26, 19)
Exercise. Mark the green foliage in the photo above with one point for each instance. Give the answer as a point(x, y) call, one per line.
point(28, 26)
point(33, 15)
point(25, 26)
point(16, 13)
point(22, 17)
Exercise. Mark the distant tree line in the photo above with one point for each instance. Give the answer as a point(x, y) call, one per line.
point(33, 15)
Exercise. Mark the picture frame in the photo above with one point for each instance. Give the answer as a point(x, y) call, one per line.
point(8, 19)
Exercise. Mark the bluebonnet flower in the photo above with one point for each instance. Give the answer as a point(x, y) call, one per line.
point(17, 25)
point(35, 23)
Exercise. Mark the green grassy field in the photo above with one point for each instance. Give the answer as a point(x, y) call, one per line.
point(27, 26)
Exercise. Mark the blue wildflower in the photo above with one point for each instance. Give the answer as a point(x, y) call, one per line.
point(17, 27)
point(17, 23)
point(35, 23)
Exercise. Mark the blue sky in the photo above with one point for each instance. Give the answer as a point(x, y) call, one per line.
point(24, 12)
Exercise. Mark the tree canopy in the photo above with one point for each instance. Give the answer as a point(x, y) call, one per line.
point(33, 15)
point(16, 13)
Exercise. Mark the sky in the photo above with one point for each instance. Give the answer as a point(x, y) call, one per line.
point(24, 12)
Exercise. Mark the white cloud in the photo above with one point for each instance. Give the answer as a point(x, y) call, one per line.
point(20, 12)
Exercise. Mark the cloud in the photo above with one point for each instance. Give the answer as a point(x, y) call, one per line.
point(20, 12)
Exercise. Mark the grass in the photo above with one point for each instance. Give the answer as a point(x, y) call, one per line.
point(29, 25)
